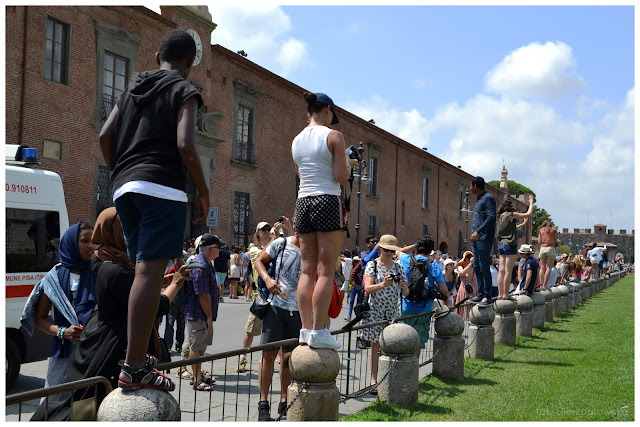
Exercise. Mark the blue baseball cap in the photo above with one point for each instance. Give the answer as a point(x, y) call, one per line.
point(322, 97)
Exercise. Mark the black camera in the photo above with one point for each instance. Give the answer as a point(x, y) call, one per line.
point(280, 220)
point(353, 153)
point(395, 277)
point(468, 288)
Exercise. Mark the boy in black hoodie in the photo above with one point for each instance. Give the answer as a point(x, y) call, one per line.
point(147, 141)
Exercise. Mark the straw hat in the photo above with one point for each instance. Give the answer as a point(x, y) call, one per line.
point(387, 241)
point(525, 249)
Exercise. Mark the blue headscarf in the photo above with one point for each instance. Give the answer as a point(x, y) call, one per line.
point(85, 300)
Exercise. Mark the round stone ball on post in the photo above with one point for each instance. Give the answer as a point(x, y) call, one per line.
point(319, 400)
point(505, 322)
point(557, 304)
point(564, 298)
point(537, 320)
point(548, 305)
point(524, 316)
point(398, 365)
point(147, 404)
point(448, 346)
point(481, 332)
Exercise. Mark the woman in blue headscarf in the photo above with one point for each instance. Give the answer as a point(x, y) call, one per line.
point(69, 287)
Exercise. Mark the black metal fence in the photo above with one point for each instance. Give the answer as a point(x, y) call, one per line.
point(235, 396)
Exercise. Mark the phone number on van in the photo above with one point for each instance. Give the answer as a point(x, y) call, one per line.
point(27, 189)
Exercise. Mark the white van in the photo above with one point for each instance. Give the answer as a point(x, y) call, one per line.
point(36, 218)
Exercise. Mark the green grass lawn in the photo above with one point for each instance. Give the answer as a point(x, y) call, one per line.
point(578, 368)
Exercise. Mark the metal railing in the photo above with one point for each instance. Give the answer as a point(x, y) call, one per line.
point(78, 412)
point(235, 396)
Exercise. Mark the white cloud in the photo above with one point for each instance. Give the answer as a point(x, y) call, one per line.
point(261, 31)
point(408, 125)
point(536, 71)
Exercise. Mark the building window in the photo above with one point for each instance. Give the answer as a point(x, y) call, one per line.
point(56, 52)
point(52, 149)
point(244, 137)
point(425, 229)
point(372, 225)
point(246, 98)
point(460, 201)
point(241, 219)
point(116, 56)
point(103, 190)
point(373, 176)
point(114, 81)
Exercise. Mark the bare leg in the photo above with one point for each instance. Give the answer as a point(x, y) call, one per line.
point(374, 362)
point(547, 274)
point(501, 273)
point(285, 377)
point(329, 244)
point(143, 306)
point(508, 267)
point(309, 254)
point(265, 373)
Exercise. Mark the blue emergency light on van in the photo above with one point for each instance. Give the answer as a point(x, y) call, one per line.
point(30, 155)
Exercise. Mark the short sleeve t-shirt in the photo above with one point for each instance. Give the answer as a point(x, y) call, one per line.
point(434, 276)
point(530, 264)
point(553, 276)
point(288, 268)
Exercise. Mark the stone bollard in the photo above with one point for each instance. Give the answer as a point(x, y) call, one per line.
point(592, 287)
point(557, 304)
point(141, 405)
point(537, 320)
point(585, 290)
point(319, 400)
point(548, 305)
point(524, 316)
point(398, 344)
point(577, 286)
point(481, 332)
point(505, 322)
point(564, 298)
point(448, 346)
point(607, 281)
point(572, 295)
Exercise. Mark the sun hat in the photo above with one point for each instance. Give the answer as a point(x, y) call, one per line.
point(388, 241)
point(447, 262)
point(197, 241)
point(262, 225)
point(525, 249)
point(324, 98)
point(464, 255)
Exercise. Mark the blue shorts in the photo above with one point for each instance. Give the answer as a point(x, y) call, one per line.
point(504, 249)
point(153, 228)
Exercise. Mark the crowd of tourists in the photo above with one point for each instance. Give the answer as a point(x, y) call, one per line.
point(115, 281)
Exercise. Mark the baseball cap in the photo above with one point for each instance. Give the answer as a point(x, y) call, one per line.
point(324, 98)
point(209, 239)
point(262, 225)
point(559, 257)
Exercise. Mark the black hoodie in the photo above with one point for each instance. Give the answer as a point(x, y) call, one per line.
point(144, 145)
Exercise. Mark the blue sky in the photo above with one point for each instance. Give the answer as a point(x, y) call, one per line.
point(548, 88)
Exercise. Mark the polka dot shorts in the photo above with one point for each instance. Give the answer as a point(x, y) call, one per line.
point(320, 213)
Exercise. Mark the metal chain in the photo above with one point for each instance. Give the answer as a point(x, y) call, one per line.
point(301, 388)
point(345, 397)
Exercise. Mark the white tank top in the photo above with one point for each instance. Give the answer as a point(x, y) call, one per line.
point(315, 162)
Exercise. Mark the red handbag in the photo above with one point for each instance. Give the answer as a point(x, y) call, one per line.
point(336, 302)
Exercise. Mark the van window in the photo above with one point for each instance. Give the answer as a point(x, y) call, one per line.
point(32, 239)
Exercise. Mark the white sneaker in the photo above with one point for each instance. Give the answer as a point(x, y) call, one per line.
point(323, 340)
point(304, 336)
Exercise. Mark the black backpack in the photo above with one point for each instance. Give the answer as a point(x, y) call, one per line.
point(418, 270)
point(181, 297)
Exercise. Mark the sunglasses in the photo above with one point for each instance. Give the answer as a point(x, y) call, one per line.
point(388, 250)
point(373, 241)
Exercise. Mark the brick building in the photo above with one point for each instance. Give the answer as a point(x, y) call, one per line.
point(66, 65)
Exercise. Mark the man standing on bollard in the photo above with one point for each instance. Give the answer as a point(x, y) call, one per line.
point(529, 271)
point(483, 230)
point(431, 276)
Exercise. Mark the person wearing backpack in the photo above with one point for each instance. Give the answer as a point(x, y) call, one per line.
point(420, 273)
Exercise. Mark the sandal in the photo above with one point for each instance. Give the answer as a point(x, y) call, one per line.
point(146, 377)
point(202, 386)
point(207, 380)
point(184, 374)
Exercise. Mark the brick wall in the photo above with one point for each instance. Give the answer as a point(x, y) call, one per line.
point(65, 113)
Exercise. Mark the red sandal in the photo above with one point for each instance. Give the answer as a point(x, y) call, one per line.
point(146, 377)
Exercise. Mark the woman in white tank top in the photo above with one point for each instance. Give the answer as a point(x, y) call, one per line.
point(320, 219)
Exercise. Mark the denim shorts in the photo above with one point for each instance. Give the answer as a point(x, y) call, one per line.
point(153, 228)
point(504, 249)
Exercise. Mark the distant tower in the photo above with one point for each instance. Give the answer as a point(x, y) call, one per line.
point(504, 185)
